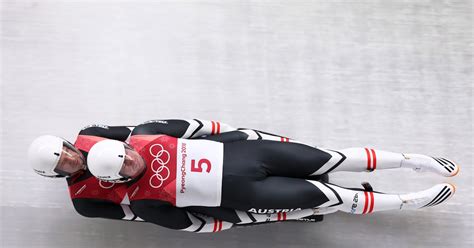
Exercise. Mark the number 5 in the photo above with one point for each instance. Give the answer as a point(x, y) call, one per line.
point(198, 168)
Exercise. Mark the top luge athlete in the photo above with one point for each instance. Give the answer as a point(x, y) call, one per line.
point(52, 156)
point(165, 174)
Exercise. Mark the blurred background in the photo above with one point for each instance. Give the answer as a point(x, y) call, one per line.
point(388, 74)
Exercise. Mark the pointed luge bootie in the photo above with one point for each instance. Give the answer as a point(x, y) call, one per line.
point(422, 163)
point(428, 198)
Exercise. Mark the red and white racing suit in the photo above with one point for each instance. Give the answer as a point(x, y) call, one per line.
point(176, 180)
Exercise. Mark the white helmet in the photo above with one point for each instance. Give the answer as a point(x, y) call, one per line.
point(105, 160)
point(44, 155)
point(115, 161)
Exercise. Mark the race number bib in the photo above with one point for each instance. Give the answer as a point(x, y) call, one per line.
point(199, 173)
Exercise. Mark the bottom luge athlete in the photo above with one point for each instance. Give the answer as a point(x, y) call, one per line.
point(172, 166)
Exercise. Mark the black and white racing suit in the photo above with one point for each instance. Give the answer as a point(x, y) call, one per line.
point(184, 218)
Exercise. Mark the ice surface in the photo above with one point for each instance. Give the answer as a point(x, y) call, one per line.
point(395, 75)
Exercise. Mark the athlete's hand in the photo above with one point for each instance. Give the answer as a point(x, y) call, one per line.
point(323, 211)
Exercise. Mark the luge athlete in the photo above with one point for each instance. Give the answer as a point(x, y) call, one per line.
point(167, 173)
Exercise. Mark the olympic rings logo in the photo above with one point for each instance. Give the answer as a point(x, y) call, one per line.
point(158, 166)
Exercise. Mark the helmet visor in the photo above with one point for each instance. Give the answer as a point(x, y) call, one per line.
point(70, 160)
point(133, 164)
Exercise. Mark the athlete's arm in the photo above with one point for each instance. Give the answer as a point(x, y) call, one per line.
point(166, 215)
point(94, 199)
point(249, 134)
point(96, 208)
point(248, 218)
point(120, 133)
point(185, 129)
